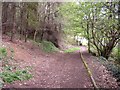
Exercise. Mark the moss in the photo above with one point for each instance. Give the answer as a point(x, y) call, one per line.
point(48, 46)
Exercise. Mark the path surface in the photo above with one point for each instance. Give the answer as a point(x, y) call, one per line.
point(57, 70)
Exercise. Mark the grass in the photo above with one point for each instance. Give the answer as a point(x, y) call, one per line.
point(48, 46)
point(72, 50)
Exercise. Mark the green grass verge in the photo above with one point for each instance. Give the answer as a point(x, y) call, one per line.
point(72, 50)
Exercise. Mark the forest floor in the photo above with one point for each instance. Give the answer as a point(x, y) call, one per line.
point(57, 70)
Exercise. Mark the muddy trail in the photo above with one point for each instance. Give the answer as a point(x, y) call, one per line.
point(58, 70)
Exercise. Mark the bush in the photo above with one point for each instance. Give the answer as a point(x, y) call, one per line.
point(116, 53)
point(48, 46)
point(112, 67)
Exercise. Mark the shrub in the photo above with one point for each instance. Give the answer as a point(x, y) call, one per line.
point(116, 53)
point(112, 67)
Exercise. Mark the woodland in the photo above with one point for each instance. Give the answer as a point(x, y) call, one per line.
point(57, 30)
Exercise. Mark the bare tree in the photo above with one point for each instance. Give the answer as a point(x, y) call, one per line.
point(13, 17)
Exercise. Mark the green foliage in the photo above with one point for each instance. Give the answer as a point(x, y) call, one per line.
point(36, 43)
point(116, 53)
point(10, 72)
point(94, 21)
point(3, 53)
point(72, 17)
point(113, 67)
point(33, 15)
point(48, 46)
point(72, 50)
point(10, 77)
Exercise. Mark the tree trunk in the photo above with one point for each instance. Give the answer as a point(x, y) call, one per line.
point(21, 20)
point(26, 29)
point(4, 16)
point(13, 16)
point(108, 49)
point(88, 37)
point(26, 22)
point(35, 35)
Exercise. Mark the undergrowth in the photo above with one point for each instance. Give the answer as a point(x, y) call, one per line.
point(10, 71)
point(116, 53)
point(3, 53)
point(111, 66)
point(48, 46)
point(72, 50)
point(10, 77)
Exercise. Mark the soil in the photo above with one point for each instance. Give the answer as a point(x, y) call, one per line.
point(57, 69)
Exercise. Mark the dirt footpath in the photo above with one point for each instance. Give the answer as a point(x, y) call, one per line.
point(57, 70)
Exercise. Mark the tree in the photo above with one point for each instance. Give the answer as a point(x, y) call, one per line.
point(51, 27)
point(4, 16)
point(1, 23)
point(13, 22)
point(98, 21)
point(37, 21)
